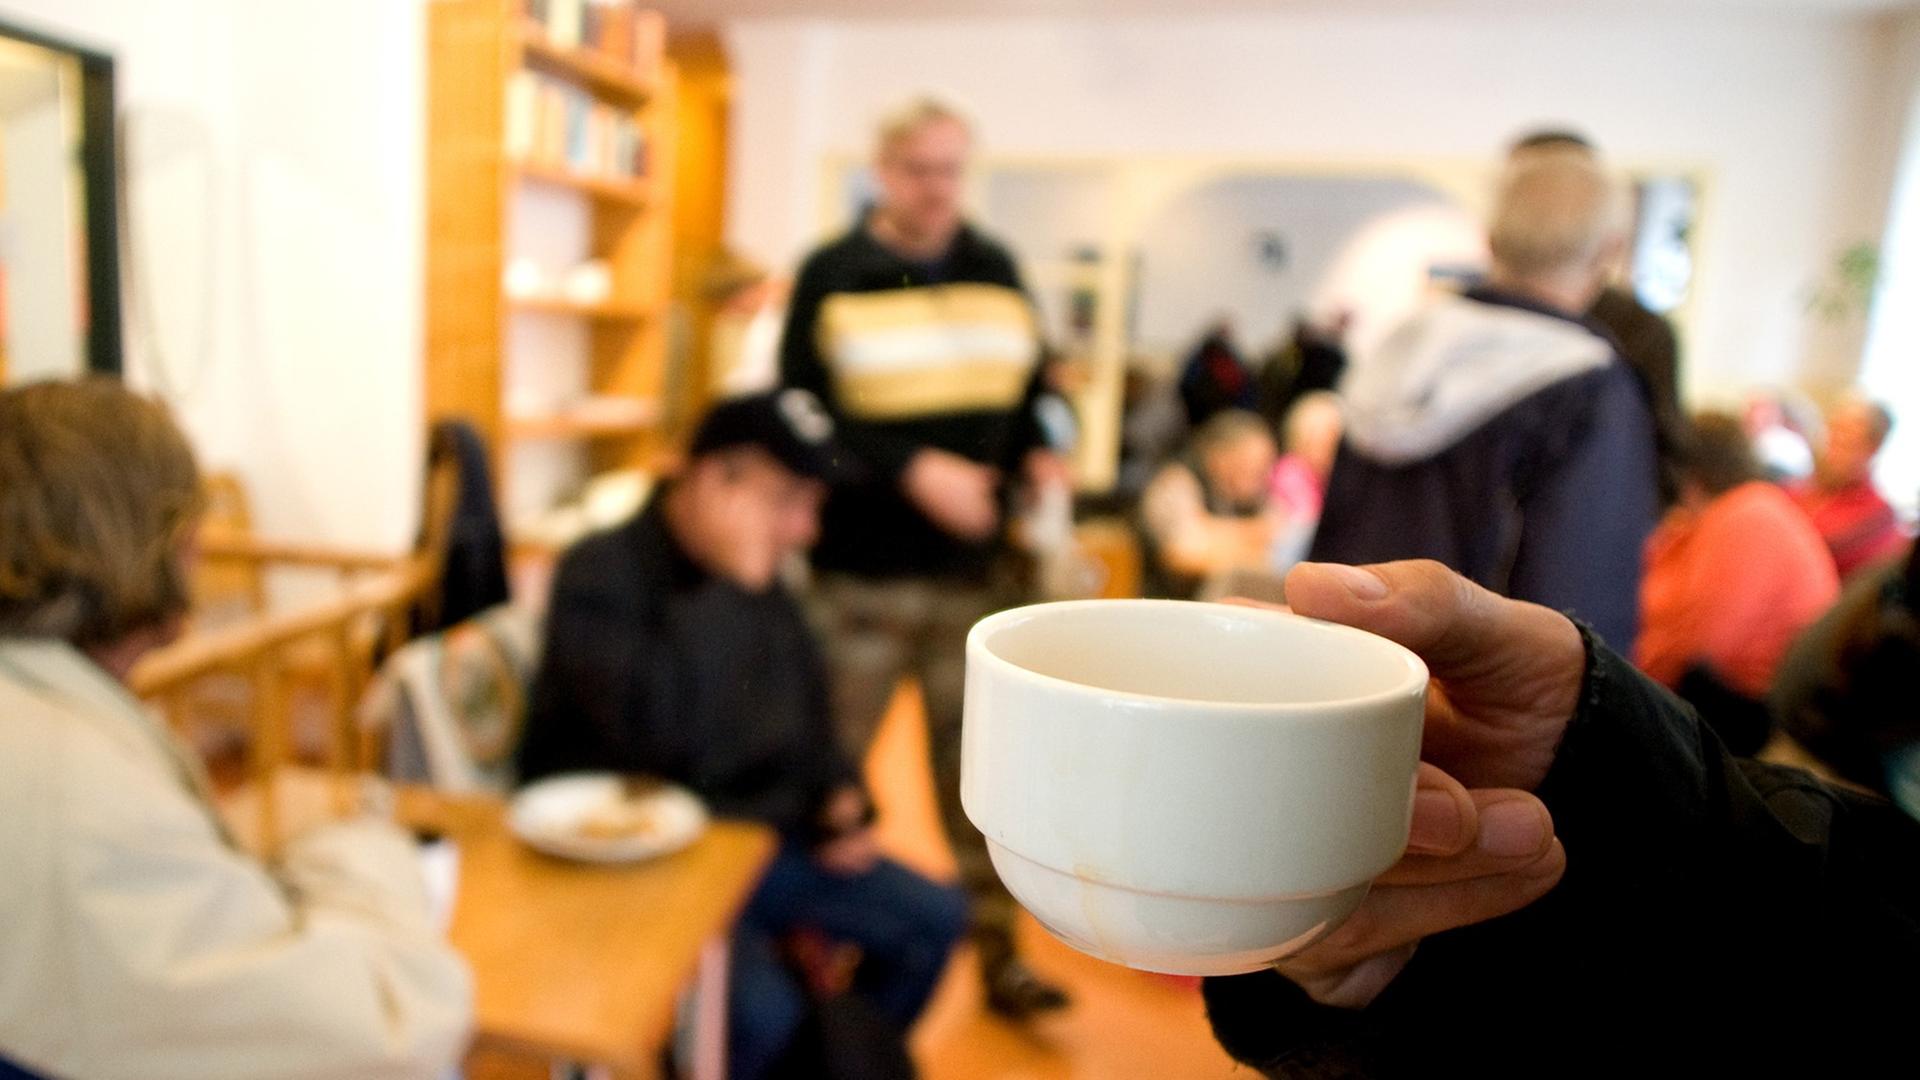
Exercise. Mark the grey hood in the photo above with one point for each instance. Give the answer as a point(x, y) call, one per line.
point(1453, 366)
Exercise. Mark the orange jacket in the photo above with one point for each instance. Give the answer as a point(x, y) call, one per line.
point(1730, 586)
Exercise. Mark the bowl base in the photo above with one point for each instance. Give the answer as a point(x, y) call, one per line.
point(1171, 935)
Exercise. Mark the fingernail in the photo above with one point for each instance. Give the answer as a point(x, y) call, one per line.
point(1362, 584)
point(1436, 822)
point(1513, 828)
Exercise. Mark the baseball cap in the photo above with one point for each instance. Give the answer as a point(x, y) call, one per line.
point(791, 425)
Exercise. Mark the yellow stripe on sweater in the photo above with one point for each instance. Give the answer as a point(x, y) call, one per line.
point(904, 353)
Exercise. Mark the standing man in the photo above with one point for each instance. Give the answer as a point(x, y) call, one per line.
point(1500, 434)
point(1646, 340)
point(914, 329)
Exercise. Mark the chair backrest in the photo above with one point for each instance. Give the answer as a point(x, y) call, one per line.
point(448, 707)
point(225, 590)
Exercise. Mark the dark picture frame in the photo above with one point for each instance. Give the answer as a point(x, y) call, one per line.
point(100, 172)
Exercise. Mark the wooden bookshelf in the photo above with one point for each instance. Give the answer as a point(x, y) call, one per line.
point(553, 305)
point(601, 74)
point(583, 423)
point(476, 50)
point(634, 193)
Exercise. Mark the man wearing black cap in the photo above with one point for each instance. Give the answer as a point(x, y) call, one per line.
point(674, 651)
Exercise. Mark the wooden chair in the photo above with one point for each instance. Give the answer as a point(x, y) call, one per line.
point(332, 643)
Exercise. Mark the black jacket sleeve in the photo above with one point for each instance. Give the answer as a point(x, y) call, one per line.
point(1714, 909)
point(801, 365)
point(602, 685)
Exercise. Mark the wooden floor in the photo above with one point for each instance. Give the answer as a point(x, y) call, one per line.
point(1123, 1024)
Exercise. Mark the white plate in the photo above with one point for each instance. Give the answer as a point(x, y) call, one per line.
point(548, 817)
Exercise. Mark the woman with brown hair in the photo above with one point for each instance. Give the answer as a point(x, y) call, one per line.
point(140, 941)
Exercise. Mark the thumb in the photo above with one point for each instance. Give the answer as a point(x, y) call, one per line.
point(1449, 621)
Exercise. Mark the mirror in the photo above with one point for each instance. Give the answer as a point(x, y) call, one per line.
point(59, 277)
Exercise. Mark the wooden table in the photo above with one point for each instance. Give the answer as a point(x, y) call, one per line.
point(587, 963)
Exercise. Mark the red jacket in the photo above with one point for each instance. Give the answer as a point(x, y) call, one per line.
point(1731, 586)
point(1857, 524)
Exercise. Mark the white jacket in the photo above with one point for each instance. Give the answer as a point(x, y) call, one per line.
point(139, 941)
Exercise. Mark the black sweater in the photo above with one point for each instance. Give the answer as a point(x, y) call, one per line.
point(654, 666)
point(1714, 911)
point(909, 356)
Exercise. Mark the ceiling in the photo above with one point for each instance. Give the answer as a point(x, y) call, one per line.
point(686, 13)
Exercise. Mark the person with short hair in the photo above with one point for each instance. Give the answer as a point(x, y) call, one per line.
point(141, 941)
point(1499, 434)
point(1733, 575)
point(1855, 520)
point(1646, 339)
point(674, 651)
point(1207, 513)
point(916, 332)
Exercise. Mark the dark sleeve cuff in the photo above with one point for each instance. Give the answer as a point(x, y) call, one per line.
point(1630, 735)
point(1267, 1022)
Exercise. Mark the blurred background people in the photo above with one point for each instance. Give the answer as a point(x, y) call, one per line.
point(1215, 377)
point(673, 651)
point(1855, 520)
point(1845, 691)
point(1311, 360)
point(1782, 426)
point(1498, 433)
point(1733, 574)
point(141, 939)
point(1208, 513)
point(915, 331)
point(1311, 442)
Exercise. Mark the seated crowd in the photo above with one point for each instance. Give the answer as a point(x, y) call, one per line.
point(1505, 486)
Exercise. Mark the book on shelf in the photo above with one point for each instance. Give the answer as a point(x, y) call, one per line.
point(619, 30)
point(554, 124)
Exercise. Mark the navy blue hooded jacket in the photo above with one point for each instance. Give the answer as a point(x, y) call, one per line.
point(1507, 441)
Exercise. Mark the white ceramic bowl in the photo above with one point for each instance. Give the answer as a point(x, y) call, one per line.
point(1188, 788)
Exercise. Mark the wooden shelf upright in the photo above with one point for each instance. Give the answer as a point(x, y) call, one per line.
point(476, 49)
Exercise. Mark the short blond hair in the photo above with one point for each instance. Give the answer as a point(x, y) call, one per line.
point(910, 117)
point(97, 491)
point(1557, 210)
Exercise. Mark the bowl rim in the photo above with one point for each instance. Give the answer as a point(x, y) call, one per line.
point(1414, 681)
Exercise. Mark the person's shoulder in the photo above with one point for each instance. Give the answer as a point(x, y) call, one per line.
point(67, 770)
point(1622, 313)
point(610, 564)
point(834, 257)
point(987, 252)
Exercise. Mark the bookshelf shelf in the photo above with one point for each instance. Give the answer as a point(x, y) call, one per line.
point(605, 76)
point(556, 305)
point(506, 105)
point(624, 192)
point(632, 418)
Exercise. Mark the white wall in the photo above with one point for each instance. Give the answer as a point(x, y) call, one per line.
point(38, 226)
point(275, 181)
point(1785, 114)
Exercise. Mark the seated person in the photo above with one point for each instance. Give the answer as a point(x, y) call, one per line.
point(1299, 483)
point(1852, 516)
point(1733, 574)
point(1592, 886)
point(1206, 513)
point(1845, 691)
point(673, 650)
point(140, 940)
